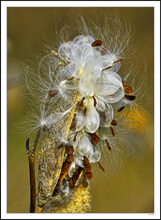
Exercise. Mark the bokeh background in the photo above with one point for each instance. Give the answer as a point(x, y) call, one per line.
point(128, 191)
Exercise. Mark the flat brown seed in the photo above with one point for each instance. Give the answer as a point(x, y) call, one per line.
point(118, 60)
point(130, 97)
point(128, 89)
point(95, 102)
point(69, 158)
point(71, 184)
point(52, 93)
point(65, 39)
point(101, 167)
point(70, 78)
point(87, 169)
point(96, 43)
point(86, 162)
point(73, 124)
point(65, 166)
point(112, 131)
point(107, 68)
point(74, 139)
point(85, 111)
point(69, 149)
point(89, 176)
point(120, 109)
point(95, 138)
point(80, 104)
point(76, 175)
point(108, 145)
point(114, 122)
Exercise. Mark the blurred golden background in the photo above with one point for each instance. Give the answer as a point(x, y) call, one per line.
point(129, 191)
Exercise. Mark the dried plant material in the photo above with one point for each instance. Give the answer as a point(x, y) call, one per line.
point(83, 91)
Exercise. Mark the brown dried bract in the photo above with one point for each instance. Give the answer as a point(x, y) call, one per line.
point(96, 43)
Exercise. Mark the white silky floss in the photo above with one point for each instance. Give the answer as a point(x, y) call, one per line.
point(99, 88)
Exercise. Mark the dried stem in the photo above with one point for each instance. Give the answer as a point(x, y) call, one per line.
point(31, 160)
